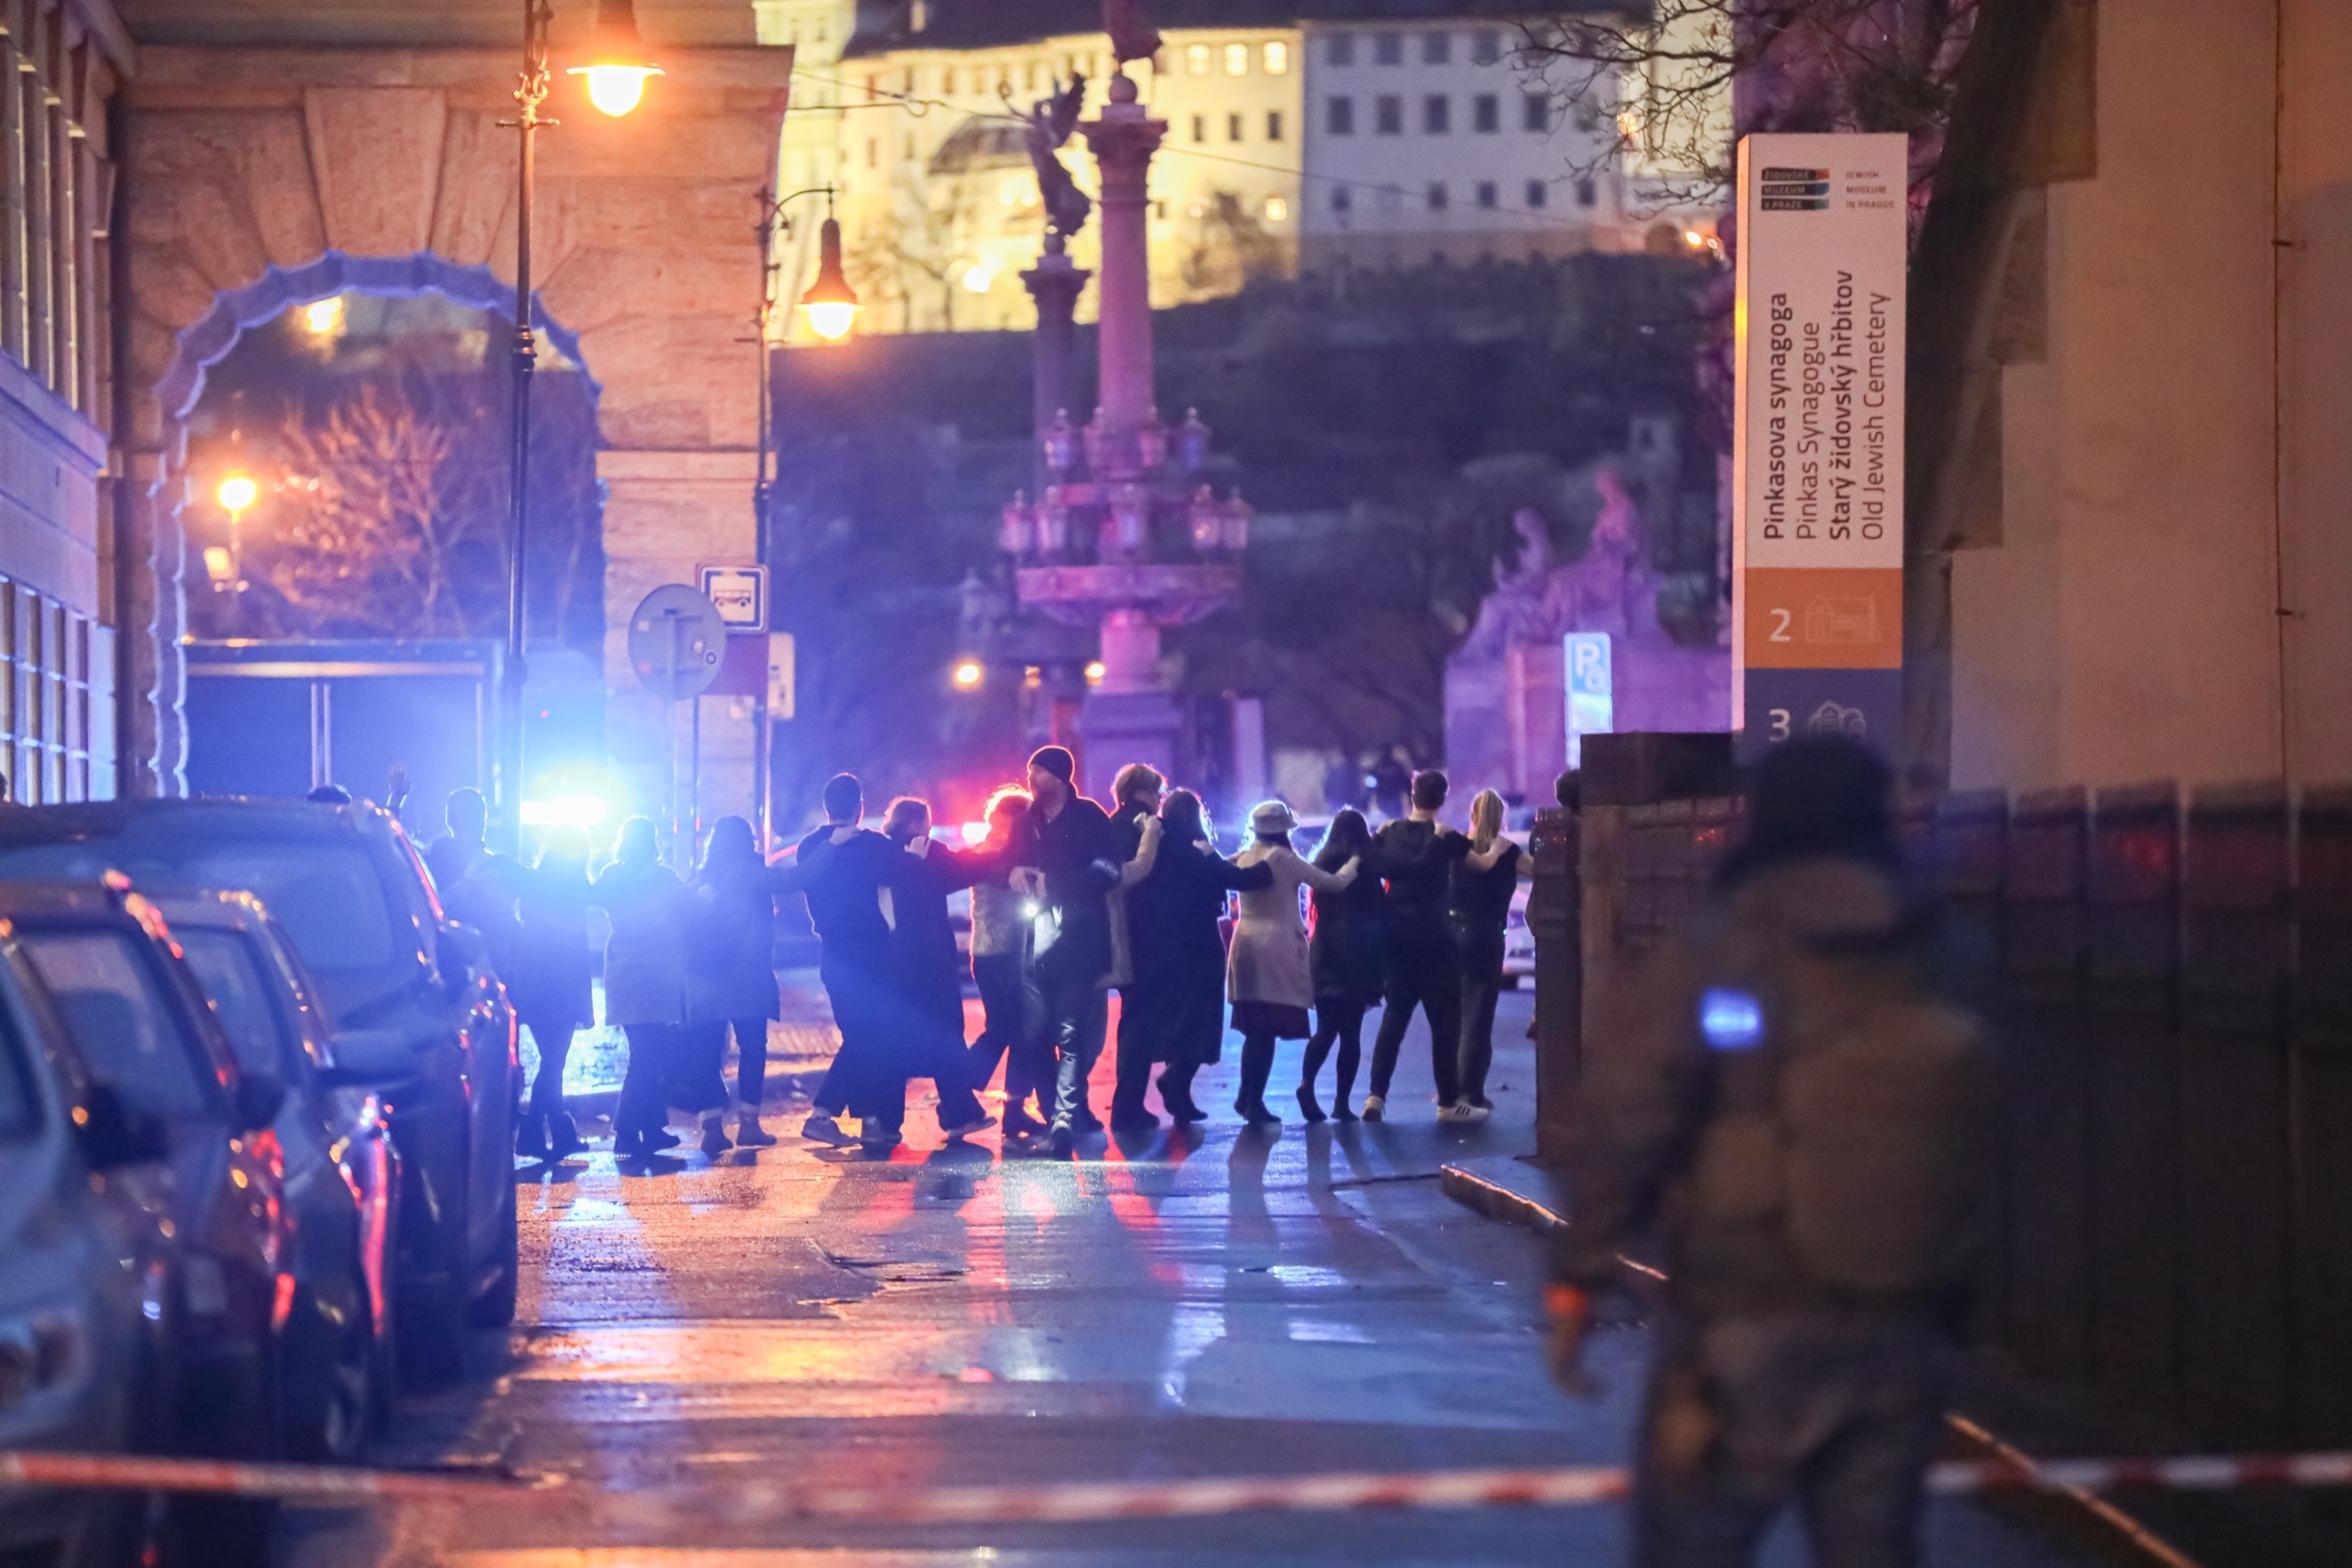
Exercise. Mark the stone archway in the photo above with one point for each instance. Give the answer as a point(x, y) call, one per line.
point(252, 176)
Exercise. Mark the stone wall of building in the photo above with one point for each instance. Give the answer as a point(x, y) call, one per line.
point(258, 178)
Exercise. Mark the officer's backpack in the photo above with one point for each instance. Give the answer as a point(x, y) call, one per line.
point(1856, 1106)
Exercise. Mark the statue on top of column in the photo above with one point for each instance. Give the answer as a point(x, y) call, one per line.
point(1047, 126)
point(1131, 37)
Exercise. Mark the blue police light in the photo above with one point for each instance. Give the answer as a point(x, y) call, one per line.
point(1731, 1020)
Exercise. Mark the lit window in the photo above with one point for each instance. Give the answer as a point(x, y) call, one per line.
point(1436, 114)
point(1536, 193)
point(1237, 59)
point(1342, 49)
point(947, 79)
point(1436, 48)
point(873, 89)
point(1487, 195)
point(1196, 59)
point(1199, 128)
point(1232, 127)
point(1485, 47)
point(1275, 57)
point(1487, 113)
point(1277, 210)
point(1339, 116)
point(1274, 126)
point(1389, 115)
point(1387, 48)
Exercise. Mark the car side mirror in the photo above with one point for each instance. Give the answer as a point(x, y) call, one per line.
point(111, 1136)
point(461, 950)
point(371, 1056)
point(257, 1102)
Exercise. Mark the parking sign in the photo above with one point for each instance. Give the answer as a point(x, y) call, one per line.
point(1591, 689)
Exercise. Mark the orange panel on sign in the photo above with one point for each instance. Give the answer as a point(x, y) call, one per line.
point(1825, 617)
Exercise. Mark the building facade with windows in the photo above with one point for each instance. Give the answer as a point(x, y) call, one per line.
point(61, 600)
point(1315, 135)
point(1426, 141)
point(940, 206)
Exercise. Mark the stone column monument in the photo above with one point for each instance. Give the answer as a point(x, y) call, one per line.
point(1124, 537)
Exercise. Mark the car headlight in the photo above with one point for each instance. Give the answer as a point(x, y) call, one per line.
point(41, 1351)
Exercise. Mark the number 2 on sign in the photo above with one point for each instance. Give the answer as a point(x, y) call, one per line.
point(1780, 622)
point(1780, 717)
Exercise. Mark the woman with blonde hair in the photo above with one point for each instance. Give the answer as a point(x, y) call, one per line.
point(1267, 973)
point(1479, 909)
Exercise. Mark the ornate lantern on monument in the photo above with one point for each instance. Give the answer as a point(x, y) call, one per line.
point(1137, 483)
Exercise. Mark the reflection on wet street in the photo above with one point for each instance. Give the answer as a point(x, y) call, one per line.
point(1223, 1303)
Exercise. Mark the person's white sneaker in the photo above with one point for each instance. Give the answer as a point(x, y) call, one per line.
point(1472, 1111)
point(821, 1128)
point(1374, 1107)
point(962, 1130)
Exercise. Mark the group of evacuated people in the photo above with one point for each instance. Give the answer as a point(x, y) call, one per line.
point(1070, 901)
point(1795, 1112)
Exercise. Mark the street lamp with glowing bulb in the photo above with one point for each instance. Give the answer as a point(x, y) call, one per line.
point(617, 66)
point(831, 304)
point(967, 674)
point(237, 493)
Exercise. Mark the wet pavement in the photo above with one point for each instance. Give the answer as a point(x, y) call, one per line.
point(1220, 1304)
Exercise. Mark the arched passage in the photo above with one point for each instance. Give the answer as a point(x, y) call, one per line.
point(255, 180)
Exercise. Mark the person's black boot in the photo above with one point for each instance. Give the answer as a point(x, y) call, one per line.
point(564, 1139)
point(1307, 1105)
point(1257, 1066)
point(530, 1137)
point(1176, 1094)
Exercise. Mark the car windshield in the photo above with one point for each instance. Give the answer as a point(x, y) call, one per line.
point(112, 1000)
point(238, 989)
point(325, 892)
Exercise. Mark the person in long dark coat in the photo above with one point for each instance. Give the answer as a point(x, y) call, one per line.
point(1173, 1009)
point(550, 980)
point(731, 981)
point(926, 982)
point(645, 981)
point(1347, 959)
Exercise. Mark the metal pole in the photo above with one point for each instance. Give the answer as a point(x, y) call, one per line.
point(530, 92)
point(763, 736)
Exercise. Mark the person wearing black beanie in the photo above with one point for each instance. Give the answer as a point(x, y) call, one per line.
point(1073, 851)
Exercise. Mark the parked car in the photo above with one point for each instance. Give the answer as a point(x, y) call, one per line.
point(98, 975)
point(418, 1014)
point(85, 1264)
point(342, 1173)
point(1518, 940)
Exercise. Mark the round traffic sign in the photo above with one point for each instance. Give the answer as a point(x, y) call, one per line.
point(675, 641)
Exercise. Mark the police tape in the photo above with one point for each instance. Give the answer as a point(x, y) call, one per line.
point(1081, 1502)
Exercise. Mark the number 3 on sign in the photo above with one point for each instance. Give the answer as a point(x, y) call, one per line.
point(1780, 623)
point(1780, 717)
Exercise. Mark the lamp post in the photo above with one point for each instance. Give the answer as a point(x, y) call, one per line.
point(616, 74)
point(832, 306)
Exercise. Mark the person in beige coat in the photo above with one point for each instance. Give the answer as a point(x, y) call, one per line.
point(1266, 972)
